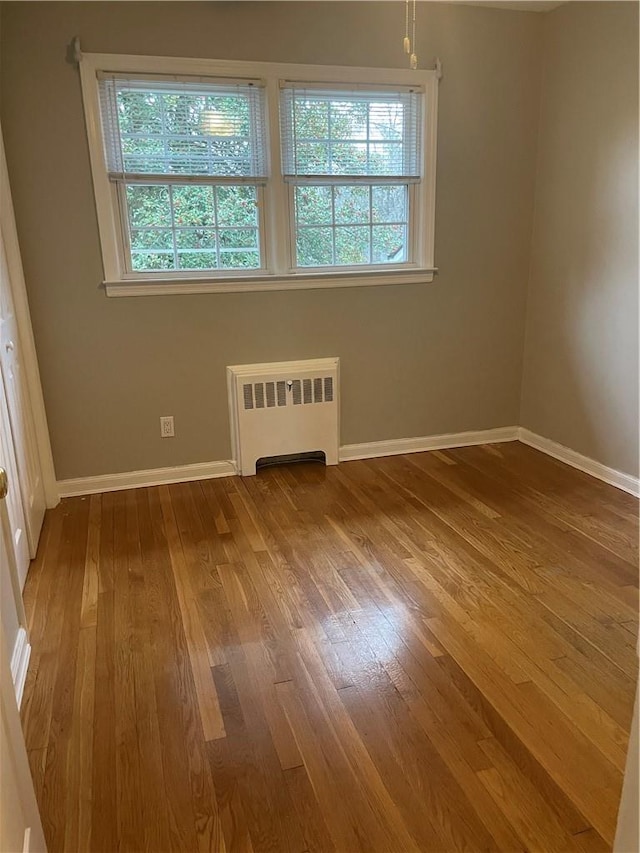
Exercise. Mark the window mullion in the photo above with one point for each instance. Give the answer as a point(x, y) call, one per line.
point(173, 229)
point(279, 208)
point(165, 134)
point(413, 222)
point(329, 140)
point(124, 239)
point(369, 138)
point(333, 221)
point(216, 223)
point(293, 224)
point(370, 224)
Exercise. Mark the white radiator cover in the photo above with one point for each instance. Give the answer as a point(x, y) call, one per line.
point(283, 408)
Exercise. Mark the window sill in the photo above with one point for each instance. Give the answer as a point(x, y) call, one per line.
point(313, 281)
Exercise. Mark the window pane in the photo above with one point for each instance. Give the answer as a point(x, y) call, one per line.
point(195, 238)
point(312, 158)
point(314, 247)
point(352, 205)
point(349, 119)
point(139, 113)
point(386, 121)
point(152, 262)
point(312, 119)
point(385, 156)
point(191, 114)
point(352, 245)
point(389, 244)
point(362, 224)
point(193, 205)
point(389, 204)
point(237, 206)
point(313, 205)
point(196, 260)
point(232, 260)
point(184, 157)
point(239, 238)
point(149, 206)
point(350, 133)
point(151, 238)
point(185, 128)
point(229, 157)
point(350, 158)
point(181, 226)
point(144, 153)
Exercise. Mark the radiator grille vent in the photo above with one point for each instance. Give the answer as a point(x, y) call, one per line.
point(328, 389)
point(271, 394)
point(268, 395)
point(306, 391)
point(259, 392)
point(248, 396)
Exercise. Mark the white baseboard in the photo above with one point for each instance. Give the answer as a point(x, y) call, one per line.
point(20, 663)
point(139, 479)
point(368, 450)
point(397, 446)
point(626, 482)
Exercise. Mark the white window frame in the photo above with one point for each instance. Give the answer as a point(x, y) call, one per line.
point(276, 221)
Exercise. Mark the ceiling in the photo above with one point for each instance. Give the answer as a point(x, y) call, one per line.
point(521, 5)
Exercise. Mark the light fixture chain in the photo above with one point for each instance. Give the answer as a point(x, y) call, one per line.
point(413, 59)
point(407, 41)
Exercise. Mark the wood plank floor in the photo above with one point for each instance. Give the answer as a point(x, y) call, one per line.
point(431, 652)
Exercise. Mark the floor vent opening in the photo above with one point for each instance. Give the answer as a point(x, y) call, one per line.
point(289, 458)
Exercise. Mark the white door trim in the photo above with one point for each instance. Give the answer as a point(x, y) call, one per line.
point(20, 650)
point(23, 320)
point(15, 763)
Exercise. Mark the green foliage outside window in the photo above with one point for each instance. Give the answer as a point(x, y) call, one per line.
point(192, 227)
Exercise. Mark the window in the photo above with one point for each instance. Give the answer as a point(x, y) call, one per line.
point(246, 176)
point(188, 160)
point(350, 159)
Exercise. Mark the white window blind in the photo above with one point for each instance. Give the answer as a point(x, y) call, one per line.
point(213, 130)
point(353, 132)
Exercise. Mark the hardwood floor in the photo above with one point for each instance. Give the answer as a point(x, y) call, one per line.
point(431, 652)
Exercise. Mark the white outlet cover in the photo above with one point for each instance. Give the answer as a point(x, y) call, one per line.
point(166, 426)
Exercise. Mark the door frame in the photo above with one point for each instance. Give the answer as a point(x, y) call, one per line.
point(27, 342)
point(21, 548)
point(20, 654)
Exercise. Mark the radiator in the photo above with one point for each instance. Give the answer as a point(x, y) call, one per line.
point(283, 409)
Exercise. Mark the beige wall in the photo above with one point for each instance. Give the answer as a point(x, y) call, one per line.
point(416, 360)
point(580, 385)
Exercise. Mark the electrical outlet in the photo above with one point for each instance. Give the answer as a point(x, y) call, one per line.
point(166, 427)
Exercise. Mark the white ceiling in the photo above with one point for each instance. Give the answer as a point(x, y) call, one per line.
point(521, 5)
